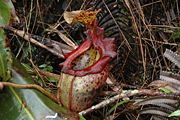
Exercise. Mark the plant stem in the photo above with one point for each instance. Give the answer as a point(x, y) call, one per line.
point(31, 86)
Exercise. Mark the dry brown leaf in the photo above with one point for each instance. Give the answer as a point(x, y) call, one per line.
point(87, 18)
point(69, 16)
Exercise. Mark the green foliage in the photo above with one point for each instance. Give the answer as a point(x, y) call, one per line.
point(2, 60)
point(21, 104)
point(46, 67)
point(49, 68)
point(27, 67)
point(175, 113)
point(165, 90)
point(5, 58)
point(175, 35)
point(4, 13)
point(81, 117)
point(5, 55)
point(117, 105)
point(52, 79)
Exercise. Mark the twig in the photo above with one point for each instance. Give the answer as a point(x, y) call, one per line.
point(30, 39)
point(55, 45)
point(127, 2)
point(44, 73)
point(125, 40)
point(30, 86)
point(163, 26)
point(155, 41)
point(49, 74)
point(152, 3)
point(124, 94)
point(64, 38)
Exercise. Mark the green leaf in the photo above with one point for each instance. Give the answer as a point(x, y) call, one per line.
point(115, 106)
point(30, 71)
point(43, 66)
point(5, 58)
point(26, 104)
point(4, 13)
point(175, 113)
point(165, 90)
point(28, 68)
point(46, 67)
point(175, 35)
point(81, 117)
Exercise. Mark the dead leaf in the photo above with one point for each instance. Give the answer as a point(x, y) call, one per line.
point(69, 16)
point(87, 18)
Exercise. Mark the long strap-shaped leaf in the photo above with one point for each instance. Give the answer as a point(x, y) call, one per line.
point(26, 104)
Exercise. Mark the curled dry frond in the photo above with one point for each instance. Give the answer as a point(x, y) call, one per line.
point(173, 57)
point(168, 80)
point(160, 106)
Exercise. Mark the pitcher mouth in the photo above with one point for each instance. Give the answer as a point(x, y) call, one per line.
point(104, 46)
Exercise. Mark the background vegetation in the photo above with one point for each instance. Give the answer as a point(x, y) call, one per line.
point(146, 33)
